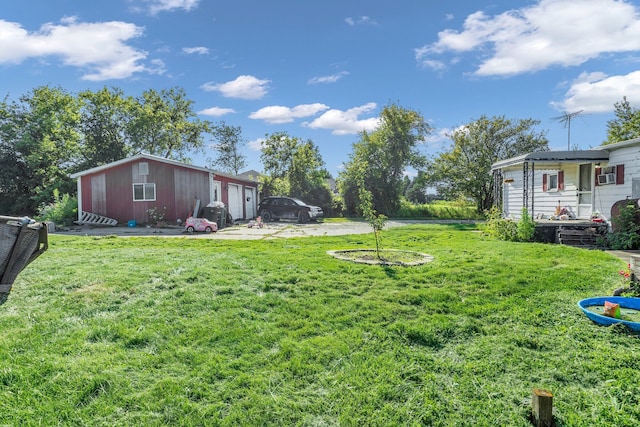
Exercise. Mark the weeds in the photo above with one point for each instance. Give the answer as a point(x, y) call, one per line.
point(63, 210)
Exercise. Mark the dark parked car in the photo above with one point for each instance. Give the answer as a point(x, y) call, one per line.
point(276, 207)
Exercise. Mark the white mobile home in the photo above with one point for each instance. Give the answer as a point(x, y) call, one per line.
point(579, 182)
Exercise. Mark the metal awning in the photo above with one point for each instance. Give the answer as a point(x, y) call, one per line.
point(572, 156)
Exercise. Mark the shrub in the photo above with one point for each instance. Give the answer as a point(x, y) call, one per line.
point(526, 227)
point(499, 227)
point(627, 234)
point(508, 229)
point(63, 210)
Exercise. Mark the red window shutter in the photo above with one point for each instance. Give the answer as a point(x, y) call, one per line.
point(620, 174)
point(544, 182)
point(560, 180)
point(598, 172)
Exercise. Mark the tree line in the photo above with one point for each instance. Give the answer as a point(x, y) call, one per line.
point(49, 134)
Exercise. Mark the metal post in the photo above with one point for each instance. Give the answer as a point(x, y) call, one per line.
point(525, 185)
point(533, 187)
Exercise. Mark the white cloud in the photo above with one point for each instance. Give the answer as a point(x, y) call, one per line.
point(328, 79)
point(597, 92)
point(256, 144)
point(434, 65)
point(216, 111)
point(551, 32)
point(346, 122)
point(243, 87)
point(439, 135)
point(277, 114)
point(99, 48)
point(360, 21)
point(157, 6)
point(200, 50)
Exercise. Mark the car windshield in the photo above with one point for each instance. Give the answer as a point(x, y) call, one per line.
point(299, 202)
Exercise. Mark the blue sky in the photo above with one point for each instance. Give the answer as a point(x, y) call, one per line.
point(323, 70)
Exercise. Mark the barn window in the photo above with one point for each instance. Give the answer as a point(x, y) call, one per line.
point(144, 192)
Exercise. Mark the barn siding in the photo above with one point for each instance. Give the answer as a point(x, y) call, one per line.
point(99, 194)
point(189, 186)
point(120, 194)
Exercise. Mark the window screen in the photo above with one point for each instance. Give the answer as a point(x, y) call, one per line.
point(144, 192)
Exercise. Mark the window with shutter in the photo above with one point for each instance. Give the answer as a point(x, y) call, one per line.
point(553, 181)
point(560, 180)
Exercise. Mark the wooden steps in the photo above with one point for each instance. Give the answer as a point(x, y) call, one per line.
point(581, 236)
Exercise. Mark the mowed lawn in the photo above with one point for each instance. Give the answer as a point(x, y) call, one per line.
point(197, 332)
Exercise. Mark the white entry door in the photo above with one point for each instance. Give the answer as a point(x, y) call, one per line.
point(585, 191)
point(250, 202)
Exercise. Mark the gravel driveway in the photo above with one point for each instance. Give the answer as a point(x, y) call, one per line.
point(272, 230)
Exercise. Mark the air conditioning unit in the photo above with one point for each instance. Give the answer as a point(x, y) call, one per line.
point(607, 178)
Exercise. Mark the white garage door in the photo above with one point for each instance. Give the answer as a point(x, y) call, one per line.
point(235, 201)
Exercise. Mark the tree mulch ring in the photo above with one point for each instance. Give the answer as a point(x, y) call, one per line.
point(382, 257)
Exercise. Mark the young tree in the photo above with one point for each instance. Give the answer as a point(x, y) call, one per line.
point(626, 125)
point(228, 147)
point(295, 168)
point(384, 155)
point(464, 171)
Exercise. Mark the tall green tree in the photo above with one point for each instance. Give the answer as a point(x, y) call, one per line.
point(626, 125)
point(384, 155)
point(229, 147)
point(42, 132)
point(293, 167)
point(164, 124)
point(13, 168)
point(464, 170)
point(415, 190)
point(105, 117)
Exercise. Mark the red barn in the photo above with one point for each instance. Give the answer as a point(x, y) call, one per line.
point(127, 189)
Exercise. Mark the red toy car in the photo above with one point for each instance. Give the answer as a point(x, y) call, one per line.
point(200, 224)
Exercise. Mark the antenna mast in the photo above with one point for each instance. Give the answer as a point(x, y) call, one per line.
point(565, 119)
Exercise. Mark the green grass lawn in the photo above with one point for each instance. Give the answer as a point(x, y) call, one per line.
point(192, 332)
